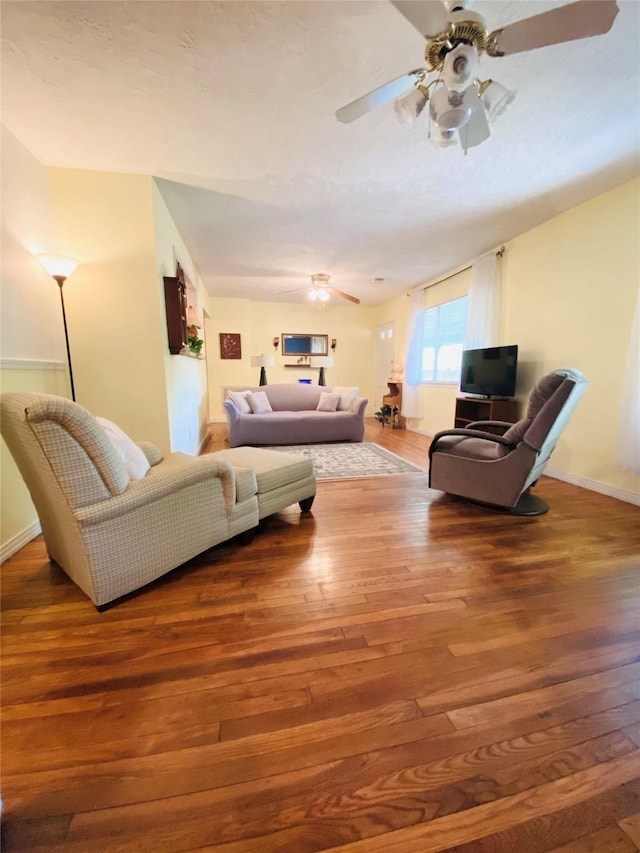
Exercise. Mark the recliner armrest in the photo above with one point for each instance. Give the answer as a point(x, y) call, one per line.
point(503, 425)
point(469, 433)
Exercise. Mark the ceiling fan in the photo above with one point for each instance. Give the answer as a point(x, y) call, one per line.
point(320, 290)
point(461, 105)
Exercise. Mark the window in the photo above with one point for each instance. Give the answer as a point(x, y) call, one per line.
point(443, 328)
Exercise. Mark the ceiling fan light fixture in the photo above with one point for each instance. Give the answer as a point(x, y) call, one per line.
point(495, 98)
point(408, 107)
point(460, 67)
point(442, 138)
point(451, 110)
point(323, 295)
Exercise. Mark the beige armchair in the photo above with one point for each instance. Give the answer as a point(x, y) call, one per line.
point(110, 534)
point(495, 463)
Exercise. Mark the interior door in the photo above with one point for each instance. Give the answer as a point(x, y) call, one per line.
point(385, 357)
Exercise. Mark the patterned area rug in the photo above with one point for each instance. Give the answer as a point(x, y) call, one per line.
point(352, 460)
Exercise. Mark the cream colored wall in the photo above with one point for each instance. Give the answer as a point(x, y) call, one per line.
point(354, 328)
point(569, 292)
point(185, 377)
point(32, 350)
point(115, 317)
point(571, 287)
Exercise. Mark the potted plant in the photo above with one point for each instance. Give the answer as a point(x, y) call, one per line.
point(194, 342)
point(384, 415)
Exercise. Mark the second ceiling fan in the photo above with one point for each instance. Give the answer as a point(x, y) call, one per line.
point(321, 291)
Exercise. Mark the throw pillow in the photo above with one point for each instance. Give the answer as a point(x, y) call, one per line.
point(259, 402)
point(347, 396)
point(328, 402)
point(132, 456)
point(240, 399)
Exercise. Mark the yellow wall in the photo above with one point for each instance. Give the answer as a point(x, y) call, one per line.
point(571, 287)
point(185, 377)
point(354, 329)
point(115, 317)
point(569, 292)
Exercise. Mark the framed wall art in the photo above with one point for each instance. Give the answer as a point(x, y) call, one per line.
point(230, 346)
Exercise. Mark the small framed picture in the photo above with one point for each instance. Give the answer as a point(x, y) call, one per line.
point(230, 346)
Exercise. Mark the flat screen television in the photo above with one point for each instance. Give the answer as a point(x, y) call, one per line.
point(489, 372)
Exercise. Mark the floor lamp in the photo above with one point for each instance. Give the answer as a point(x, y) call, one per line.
point(262, 361)
point(60, 269)
point(321, 361)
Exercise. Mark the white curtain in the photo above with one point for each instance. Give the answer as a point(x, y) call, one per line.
point(628, 451)
point(411, 390)
point(485, 297)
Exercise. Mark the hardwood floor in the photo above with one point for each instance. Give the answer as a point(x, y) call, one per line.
point(396, 671)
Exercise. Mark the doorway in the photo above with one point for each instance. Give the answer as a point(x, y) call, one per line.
point(385, 357)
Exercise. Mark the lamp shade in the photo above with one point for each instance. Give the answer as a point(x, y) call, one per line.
point(321, 361)
point(396, 370)
point(409, 107)
point(262, 361)
point(495, 99)
point(193, 318)
point(58, 265)
point(450, 110)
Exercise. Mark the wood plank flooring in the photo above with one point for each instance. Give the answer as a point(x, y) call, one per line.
point(396, 671)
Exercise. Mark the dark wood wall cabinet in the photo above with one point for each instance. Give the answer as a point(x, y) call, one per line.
point(469, 409)
point(175, 300)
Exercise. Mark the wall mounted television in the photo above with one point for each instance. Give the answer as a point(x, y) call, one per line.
point(489, 372)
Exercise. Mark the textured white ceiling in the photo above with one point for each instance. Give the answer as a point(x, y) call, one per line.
point(231, 105)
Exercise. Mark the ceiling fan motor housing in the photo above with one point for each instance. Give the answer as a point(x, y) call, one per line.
point(465, 27)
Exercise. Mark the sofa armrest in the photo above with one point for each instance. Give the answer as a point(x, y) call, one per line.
point(152, 452)
point(358, 407)
point(232, 412)
point(175, 472)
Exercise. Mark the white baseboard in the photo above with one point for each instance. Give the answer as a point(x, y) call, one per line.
point(13, 545)
point(594, 486)
point(575, 480)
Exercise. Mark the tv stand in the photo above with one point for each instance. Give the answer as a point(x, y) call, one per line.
point(469, 409)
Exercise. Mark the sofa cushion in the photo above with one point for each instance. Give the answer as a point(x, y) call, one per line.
point(132, 456)
point(259, 402)
point(328, 402)
point(240, 399)
point(347, 396)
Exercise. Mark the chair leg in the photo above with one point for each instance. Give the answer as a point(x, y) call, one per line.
point(306, 504)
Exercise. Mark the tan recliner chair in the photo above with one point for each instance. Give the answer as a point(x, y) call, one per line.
point(110, 534)
point(495, 463)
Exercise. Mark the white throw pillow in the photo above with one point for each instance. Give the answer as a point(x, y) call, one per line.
point(347, 396)
point(240, 399)
point(132, 456)
point(328, 402)
point(259, 402)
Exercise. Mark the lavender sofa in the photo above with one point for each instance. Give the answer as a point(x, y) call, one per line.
point(295, 419)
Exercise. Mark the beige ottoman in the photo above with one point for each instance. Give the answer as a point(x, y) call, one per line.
point(283, 478)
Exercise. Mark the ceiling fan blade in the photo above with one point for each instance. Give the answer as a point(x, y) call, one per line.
point(380, 95)
point(476, 130)
point(578, 20)
point(429, 17)
point(348, 296)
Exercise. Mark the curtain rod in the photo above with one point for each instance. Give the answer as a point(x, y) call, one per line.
point(499, 254)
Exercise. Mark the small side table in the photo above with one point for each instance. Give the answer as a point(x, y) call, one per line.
point(394, 399)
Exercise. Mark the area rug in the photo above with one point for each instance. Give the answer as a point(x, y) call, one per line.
point(351, 461)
